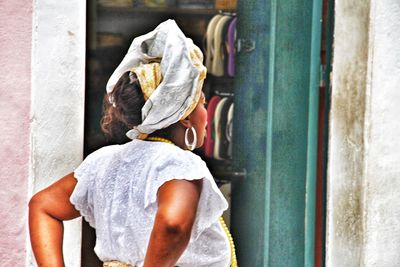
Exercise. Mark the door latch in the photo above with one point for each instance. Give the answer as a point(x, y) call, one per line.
point(245, 45)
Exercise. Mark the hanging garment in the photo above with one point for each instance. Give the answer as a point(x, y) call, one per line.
point(225, 44)
point(231, 47)
point(217, 68)
point(209, 141)
point(224, 143)
point(217, 128)
point(210, 41)
point(229, 130)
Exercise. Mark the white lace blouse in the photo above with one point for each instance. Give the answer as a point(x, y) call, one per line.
point(117, 194)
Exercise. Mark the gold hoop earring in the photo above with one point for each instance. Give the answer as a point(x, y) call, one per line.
point(190, 146)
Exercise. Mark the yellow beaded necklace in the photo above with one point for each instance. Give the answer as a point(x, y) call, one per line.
point(159, 139)
point(221, 220)
point(231, 243)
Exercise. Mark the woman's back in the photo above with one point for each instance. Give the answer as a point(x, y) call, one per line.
point(117, 193)
point(152, 203)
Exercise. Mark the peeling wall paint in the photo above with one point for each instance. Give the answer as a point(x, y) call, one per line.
point(346, 146)
point(58, 85)
point(15, 69)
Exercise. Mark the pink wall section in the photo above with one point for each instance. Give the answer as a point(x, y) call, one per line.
point(15, 95)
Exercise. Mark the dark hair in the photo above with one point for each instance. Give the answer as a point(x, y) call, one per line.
point(122, 109)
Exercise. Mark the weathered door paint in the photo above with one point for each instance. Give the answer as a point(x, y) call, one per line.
point(275, 132)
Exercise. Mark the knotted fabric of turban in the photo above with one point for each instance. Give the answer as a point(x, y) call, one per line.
point(149, 76)
point(182, 70)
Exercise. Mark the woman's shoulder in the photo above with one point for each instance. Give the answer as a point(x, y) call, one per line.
point(104, 152)
point(96, 158)
point(167, 151)
point(172, 160)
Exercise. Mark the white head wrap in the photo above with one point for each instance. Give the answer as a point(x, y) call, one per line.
point(182, 76)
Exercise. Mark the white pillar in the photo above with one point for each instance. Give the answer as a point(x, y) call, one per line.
point(346, 145)
point(382, 138)
point(58, 85)
point(363, 214)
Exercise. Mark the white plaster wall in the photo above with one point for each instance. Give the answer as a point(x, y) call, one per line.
point(382, 138)
point(364, 150)
point(346, 146)
point(58, 69)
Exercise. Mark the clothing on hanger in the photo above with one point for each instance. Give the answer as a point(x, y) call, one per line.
point(224, 143)
point(210, 41)
point(217, 68)
point(210, 137)
point(224, 44)
point(231, 47)
point(229, 130)
point(217, 128)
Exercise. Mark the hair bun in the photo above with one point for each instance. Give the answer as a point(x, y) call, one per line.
point(122, 108)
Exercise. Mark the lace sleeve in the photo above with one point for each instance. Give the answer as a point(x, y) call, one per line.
point(185, 165)
point(81, 197)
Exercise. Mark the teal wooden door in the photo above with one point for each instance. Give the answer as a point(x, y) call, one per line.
point(275, 133)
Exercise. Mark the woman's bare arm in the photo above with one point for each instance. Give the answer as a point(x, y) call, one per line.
point(47, 209)
point(177, 206)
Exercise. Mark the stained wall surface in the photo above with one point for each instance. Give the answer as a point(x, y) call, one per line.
point(15, 94)
point(346, 143)
point(363, 212)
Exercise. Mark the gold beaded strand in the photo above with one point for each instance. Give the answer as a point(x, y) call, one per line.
point(159, 139)
point(221, 220)
point(231, 243)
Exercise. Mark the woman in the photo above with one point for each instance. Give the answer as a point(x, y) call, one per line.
point(151, 200)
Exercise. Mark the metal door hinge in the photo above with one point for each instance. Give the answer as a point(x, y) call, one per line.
point(230, 175)
point(245, 45)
